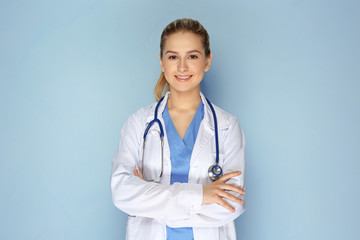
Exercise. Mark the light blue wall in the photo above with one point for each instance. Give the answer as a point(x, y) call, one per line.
point(71, 72)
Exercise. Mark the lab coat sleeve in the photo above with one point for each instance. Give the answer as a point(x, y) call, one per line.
point(214, 215)
point(137, 197)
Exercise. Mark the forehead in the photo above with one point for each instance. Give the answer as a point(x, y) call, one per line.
point(183, 42)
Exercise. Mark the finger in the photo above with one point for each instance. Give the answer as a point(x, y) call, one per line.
point(226, 205)
point(229, 175)
point(231, 197)
point(231, 187)
point(136, 173)
point(140, 173)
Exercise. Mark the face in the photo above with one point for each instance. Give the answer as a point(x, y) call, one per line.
point(184, 61)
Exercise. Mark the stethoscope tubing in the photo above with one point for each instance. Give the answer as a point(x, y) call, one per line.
point(215, 171)
point(216, 131)
point(155, 120)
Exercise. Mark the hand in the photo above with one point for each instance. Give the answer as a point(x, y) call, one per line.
point(215, 191)
point(138, 173)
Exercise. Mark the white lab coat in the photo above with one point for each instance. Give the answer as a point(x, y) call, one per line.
point(151, 206)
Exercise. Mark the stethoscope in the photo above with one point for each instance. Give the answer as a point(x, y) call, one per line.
point(214, 171)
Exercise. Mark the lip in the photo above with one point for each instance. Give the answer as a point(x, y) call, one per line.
point(183, 78)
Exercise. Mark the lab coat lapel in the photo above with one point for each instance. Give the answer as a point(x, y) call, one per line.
point(166, 177)
point(206, 130)
point(205, 134)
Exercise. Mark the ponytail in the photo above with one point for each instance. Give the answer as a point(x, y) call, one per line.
point(161, 87)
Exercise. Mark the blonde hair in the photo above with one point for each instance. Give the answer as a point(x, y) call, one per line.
point(182, 24)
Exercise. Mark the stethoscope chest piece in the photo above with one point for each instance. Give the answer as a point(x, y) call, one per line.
point(215, 172)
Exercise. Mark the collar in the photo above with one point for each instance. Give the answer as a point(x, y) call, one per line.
point(208, 116)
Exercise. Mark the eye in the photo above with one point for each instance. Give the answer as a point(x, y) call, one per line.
point(172, 57)
point(193, 57)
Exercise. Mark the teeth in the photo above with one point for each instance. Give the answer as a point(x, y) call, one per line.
point(183, 77)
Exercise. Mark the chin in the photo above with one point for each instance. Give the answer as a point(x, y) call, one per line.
point(183, 89)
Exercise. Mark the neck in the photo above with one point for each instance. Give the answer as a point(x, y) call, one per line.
point(184, 101)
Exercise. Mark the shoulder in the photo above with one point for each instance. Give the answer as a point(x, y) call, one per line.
point(232, 133)
point(142, 114)
point(136, 122)
point(225, 119)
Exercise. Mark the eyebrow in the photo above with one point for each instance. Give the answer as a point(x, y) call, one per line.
point(174, 52)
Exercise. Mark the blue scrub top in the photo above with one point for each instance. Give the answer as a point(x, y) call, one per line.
point(180, 154)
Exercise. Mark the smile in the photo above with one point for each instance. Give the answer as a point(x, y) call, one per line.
point(183, 77)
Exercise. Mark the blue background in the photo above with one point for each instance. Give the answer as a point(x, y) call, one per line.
point(71, 72)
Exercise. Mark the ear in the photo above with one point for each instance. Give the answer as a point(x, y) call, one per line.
point(161, 63)
point(208, 62)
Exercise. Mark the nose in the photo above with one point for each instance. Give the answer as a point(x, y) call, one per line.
point(182, 65)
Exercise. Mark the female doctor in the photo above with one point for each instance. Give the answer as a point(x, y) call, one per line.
point(179, 169)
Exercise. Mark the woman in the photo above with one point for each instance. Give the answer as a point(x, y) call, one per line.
point(183, 202)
